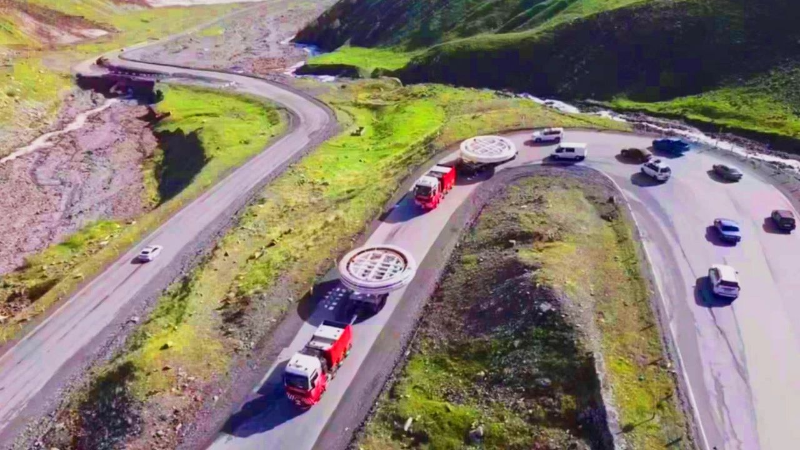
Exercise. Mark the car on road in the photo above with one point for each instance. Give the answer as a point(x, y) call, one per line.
point(548, 135)
point(671, 145)
point(657, 169)
point(784, 220)
point(728, 173)
point(149, 253)
point(570, 150)
point(728, 230)
point(724, 281)
point(636, 154)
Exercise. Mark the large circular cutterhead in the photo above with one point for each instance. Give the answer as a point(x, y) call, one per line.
point(377, 269)
point(487, 150)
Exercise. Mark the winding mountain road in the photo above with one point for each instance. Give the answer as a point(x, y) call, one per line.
point(740, 363)
point(34, 368)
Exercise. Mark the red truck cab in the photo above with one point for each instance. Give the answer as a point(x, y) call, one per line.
point(307, 374)
point(431, 188)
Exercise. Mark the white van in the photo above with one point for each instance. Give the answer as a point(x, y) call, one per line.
point(570, 150)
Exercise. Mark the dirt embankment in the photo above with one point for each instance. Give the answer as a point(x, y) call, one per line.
point(88, 174)
point(254, 43)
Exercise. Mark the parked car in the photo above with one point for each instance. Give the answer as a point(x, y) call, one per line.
point(636, 154)
point(784, 220)
point(548, 135)
point(724, 281)
point(728, 230)
point(569, 150)
point(657, 169)
point(671, 145)
point(728, 173)
point(149, 253)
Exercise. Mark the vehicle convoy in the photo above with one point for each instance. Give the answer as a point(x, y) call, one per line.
point(784, 220)
point(724, 281)
point(671, 145)
point(432, 187)
point(636, 154)
point(571, 151)
point(728, 230)
point(485, 152)
point(657, 169)
point(548, 135)
point(308, 372)
point(727, 173)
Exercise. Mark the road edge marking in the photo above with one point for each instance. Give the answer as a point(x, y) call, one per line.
point(657, 280)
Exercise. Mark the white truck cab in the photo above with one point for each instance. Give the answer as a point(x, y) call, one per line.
point(570, 150)
point(657, 169)
point(302, 371)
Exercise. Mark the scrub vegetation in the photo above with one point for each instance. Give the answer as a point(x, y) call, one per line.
point(678, 58)
point(292, 233)
point(35, 69)
point(545, 280)
point(205, 135)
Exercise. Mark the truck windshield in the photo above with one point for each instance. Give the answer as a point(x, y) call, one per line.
point(296, 381)
point(728, 283)
point(422, 191)
point(731, 228)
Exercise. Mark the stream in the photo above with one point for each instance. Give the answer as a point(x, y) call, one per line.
point(685, 131)
point(44, 141)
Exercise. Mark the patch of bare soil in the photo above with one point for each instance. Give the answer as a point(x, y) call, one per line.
point(254, 42)
point(89, 174)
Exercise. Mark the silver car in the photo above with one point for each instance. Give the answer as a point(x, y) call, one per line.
point(149, 253)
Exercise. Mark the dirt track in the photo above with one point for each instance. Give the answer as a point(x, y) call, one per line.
point(88, 174)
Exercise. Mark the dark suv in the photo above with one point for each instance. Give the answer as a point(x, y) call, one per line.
point(784, 220)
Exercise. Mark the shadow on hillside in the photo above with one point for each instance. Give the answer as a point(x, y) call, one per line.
point(183, 158)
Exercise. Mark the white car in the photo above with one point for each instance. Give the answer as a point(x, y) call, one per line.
point(149, 253)
point(724, 281)
point(657, 169)
point(570, 150)
point(548, 135)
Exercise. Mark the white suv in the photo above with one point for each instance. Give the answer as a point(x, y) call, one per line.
point(657, 169)
point(724, 280)
point(548, 135)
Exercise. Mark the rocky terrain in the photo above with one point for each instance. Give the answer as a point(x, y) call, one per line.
point(254, 43)
point(85, 175)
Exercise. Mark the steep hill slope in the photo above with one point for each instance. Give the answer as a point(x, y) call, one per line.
point(735, 59)
point(414, 24)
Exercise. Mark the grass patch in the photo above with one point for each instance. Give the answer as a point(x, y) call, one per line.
point(766, 105)
point(596, 263)
point(498, 348)
point(34, 80)
point(300, 223)
point(365, 59)
point(225, 129)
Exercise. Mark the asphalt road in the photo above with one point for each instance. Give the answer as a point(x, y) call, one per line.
point(34, 369)
point(741, 362)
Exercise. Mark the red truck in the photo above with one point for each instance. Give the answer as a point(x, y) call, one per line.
point(309, 370)
point(431, 187)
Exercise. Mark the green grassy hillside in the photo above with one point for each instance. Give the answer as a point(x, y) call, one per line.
point(411, 23)
point(723, 62)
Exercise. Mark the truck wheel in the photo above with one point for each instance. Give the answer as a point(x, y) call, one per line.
point(349, 348)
